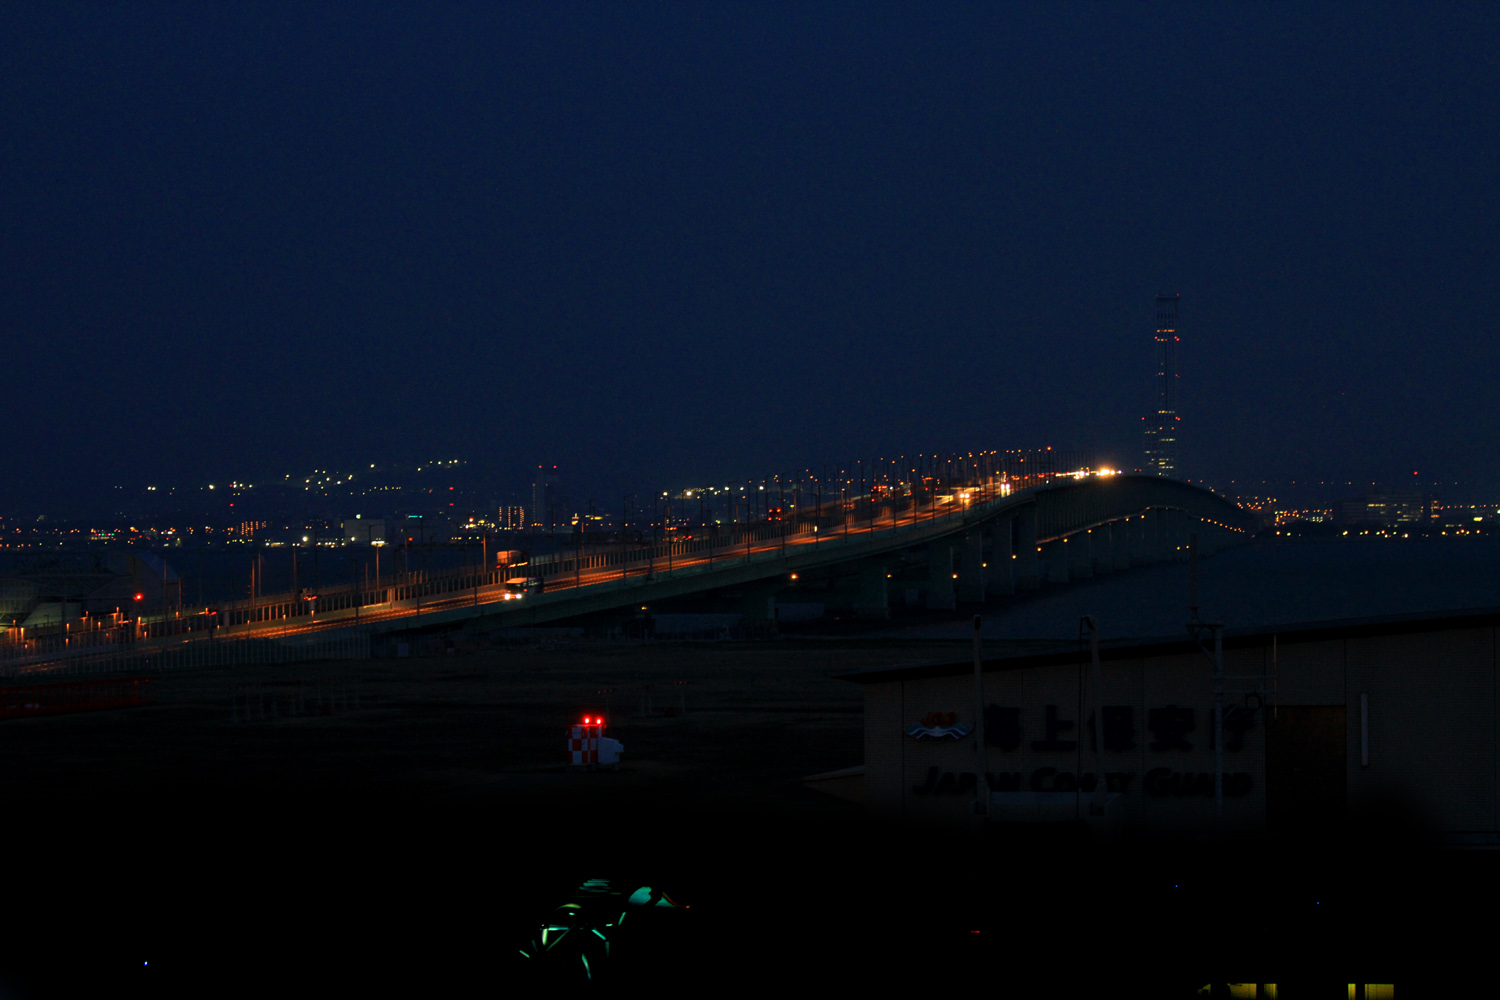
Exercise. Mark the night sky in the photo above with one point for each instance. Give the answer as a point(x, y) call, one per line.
point(663, 244)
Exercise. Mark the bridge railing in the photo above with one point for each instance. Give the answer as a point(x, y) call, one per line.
point(894, 504)
point(849, 522)
point(1075, 502)
point(110, 633)
point(928, 505)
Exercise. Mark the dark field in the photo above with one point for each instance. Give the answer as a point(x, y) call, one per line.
point(406, 824)
point(412, 820)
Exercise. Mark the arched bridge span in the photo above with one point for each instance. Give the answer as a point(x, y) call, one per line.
point(942, 543)
point(971, 547)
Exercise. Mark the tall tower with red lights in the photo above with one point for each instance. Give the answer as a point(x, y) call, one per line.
point(1162, 426)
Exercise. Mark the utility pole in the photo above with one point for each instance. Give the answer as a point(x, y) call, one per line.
point(1096, 681)
point(781, 506)
point(1195, 626)
point(982, 785)
point(844, 501)
point(820, 494)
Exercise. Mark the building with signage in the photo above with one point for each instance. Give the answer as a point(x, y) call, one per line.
point(1377, 722)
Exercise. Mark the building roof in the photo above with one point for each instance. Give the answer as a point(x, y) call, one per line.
point(1300, 632)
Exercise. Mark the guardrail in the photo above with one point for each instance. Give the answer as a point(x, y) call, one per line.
point(859, 522)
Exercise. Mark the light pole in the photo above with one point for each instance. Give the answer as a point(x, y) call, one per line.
point(817, 521)
point(981, 786)
point(781, 506)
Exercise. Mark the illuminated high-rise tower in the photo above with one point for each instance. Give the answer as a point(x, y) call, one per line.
point(1162, 426)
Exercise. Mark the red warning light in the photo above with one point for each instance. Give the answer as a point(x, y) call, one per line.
point(140, 597)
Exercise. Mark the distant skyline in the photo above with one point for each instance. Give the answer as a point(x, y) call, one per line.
point(674, 243)
point(394, 488)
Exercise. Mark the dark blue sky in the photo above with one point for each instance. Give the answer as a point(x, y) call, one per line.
point(662, 243)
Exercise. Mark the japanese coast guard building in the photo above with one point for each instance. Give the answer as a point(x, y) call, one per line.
point(1382, 720)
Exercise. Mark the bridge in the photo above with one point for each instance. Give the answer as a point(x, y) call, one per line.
point(968, 543)
point(964, 538)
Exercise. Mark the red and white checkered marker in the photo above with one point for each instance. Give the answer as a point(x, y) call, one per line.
point(583, 741)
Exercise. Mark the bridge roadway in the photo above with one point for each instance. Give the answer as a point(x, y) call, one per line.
point(1065, 529)
point(981, 539)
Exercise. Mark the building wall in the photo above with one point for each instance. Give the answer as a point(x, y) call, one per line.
point(1431, 727)
point(1432, 703)
point(1163, 788)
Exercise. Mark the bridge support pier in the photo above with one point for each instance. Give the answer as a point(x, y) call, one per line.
point(1057, 561)
point(1028, 570)
point(1080, 555)
point(1208, 538)
point(1103, 549)
point(1119, 544)
point(1001, 579)
point(971, 568)
point(940, 594)
point(873, 602)
point(759, 601)
point(1159, 535)
point(1135, 530)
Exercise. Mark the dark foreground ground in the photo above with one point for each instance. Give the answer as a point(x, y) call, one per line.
point(405, 826)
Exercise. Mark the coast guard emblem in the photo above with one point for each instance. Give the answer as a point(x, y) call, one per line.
point(939, 726)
